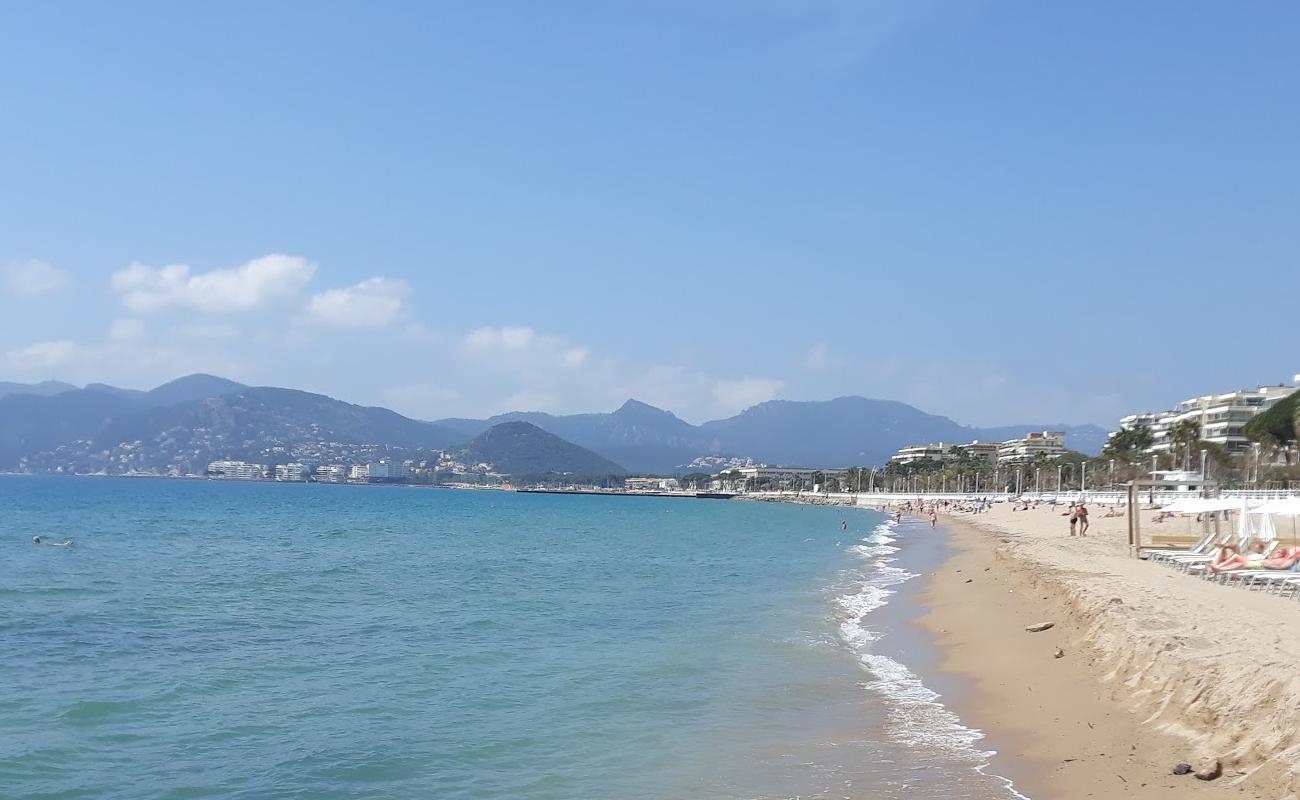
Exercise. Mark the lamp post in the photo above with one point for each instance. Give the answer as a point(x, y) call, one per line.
point(1205, 489)
point(1038, 480)
point(1083, 477)
point(1112, 472)
point(1155, 467)
point(1059, 467)
point(1017, 481)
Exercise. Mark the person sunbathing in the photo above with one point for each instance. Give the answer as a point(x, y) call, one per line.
point(1286, 558)
point(1253, 558)
point(1226, 554)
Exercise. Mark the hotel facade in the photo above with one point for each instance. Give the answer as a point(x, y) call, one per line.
point(1221, 417)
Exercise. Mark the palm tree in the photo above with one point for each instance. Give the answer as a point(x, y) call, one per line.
point(1185, 433)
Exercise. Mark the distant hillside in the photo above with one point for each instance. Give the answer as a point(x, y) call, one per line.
point(522, 449)
point(185, 423)
point(248, 423)
point(31, 424)
point(846, 431)
point(177, 425)
point(637, 435)
point(42, 389)
point(842, 432)
point(190, 388)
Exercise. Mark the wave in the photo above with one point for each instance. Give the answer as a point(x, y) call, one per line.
point(916, 716)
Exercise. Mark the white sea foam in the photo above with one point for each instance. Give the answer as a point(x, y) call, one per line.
point(917, 717)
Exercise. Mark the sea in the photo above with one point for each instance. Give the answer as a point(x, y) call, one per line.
point(210, 639)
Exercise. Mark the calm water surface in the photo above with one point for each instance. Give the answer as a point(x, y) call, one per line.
point(228, 640)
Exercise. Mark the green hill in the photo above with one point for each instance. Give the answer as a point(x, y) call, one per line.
point(521, 449)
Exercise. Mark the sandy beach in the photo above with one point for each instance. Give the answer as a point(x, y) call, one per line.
point(1158, 667)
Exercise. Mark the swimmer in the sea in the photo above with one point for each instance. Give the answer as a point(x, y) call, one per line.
point(64, 543)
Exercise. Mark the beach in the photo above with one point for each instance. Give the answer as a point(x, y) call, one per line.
point(1156, 668)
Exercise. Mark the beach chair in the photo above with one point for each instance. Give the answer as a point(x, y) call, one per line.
point(1202, 547)
point(1238, 576)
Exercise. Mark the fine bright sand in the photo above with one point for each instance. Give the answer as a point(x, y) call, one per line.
point(1159, 667)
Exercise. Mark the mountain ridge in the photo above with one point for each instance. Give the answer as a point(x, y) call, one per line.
point(170, 422)
point(523, 450)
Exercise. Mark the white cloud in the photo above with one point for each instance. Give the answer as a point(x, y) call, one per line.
point(256, 284)
point(418, 333)
point(736, 395)
point(818, 357)
point(207, 330)
point(42, 355)
point(126, 330)
point(522, 347)
point(489, 340)
point(373, 303)
point(529, 400)
point(33, 277)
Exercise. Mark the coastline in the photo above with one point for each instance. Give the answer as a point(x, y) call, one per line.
point(1158, 667)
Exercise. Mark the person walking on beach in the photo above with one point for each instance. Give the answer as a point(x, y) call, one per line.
point(934, 518)
point(1081, 513)
point(1074, 518)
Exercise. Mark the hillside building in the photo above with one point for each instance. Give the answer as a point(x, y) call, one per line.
point(291, 472)
point(1031, 447)
point(331, 473)
point(386, 472)
point(236, 470)
point(986, 452)
point(1221, 418)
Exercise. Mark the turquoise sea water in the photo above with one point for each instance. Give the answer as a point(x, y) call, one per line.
point(228, 640)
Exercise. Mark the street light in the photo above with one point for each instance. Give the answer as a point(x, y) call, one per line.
point(1205, 489)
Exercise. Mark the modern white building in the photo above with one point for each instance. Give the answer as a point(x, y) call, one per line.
point(651, 484)
point(331, 473)
point(981, 451)
point(358, 472)
point(778, 477)
point(936, 451)
point(1221, 417)
point(238, 470)
point(387, 471)
point(291, 472)
point(1031, 446)
point(941, 451)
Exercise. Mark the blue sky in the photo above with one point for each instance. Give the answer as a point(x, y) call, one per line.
point(1003, 212)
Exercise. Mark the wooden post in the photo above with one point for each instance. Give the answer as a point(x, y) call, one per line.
point(1132, 520)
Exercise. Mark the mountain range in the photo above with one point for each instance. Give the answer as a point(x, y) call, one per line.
point(846, 431)
point(182, 424)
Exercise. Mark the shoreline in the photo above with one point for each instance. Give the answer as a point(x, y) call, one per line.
point(1147, 679)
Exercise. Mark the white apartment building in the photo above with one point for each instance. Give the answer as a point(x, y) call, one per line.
point(358, 472)
point(936, 451)
point(387, 471)
point(981, 451)
point(940, 451)
point(1222, 417)
point(331, 473)
point(1047, 444)
point(238, 470)
point(291, 472)
point(651, 484)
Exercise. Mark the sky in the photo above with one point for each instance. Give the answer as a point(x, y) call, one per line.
point(1003, 212)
